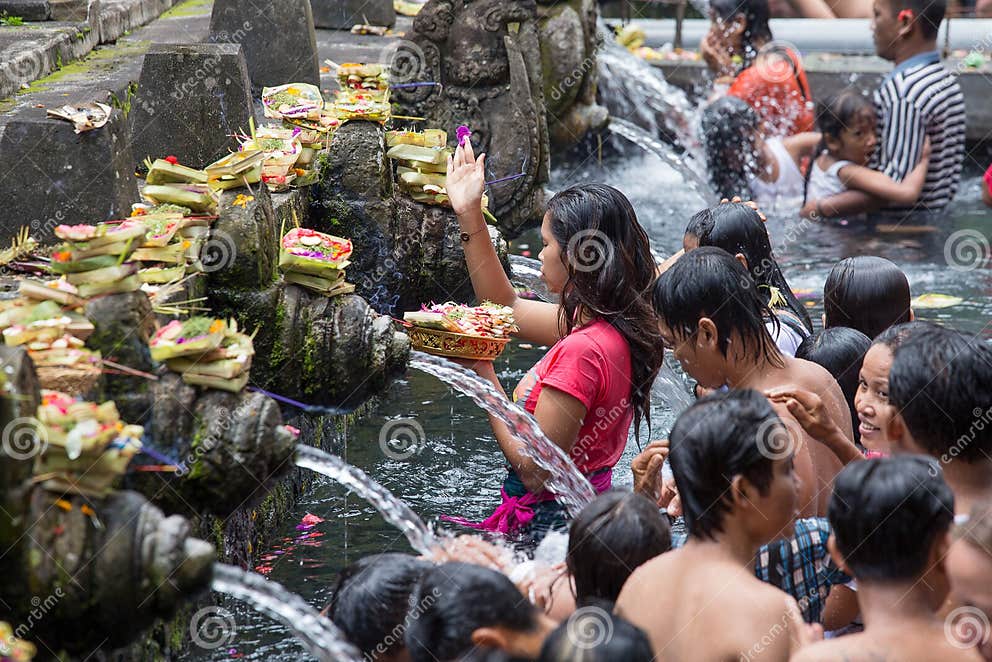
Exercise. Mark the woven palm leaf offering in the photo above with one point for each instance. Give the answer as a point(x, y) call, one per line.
point(421, 160)
point(364, 93)
point(316, 261)
point(192, 337)
point(225, 367)
point(282, 148)
point(86, 445)
point(236, 170)
point(13, 649)
point(466, 332)
point(292, 101)
point(54, 338)
point(94, 258)
point(168, 182)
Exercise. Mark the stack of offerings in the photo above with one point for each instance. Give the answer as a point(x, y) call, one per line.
point(364, 93)
point(301, 105)
point(316, 261)
point(421, 163)
point(53, 336)
point(168, 182)
point(87, 445)
point(282, 149)
point(94, 257)
point(206, 352)
point(172, 245)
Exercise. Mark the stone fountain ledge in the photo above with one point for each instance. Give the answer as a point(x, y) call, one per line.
point(56, 33)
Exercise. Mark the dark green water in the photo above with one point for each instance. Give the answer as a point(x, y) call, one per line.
point(459, 468)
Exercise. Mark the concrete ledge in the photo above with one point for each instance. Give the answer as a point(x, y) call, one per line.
point(29, 10)
point(33, 51)
point(29, 53)
point(835, 35)
point(828, 74)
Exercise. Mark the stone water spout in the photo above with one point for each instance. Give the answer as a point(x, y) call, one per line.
point(100, 569)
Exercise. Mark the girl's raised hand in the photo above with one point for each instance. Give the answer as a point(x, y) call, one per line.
point(465, 179)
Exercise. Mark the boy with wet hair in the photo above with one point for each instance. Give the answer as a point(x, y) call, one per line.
point(891, 521)
point(459, 606)
point(702, 601)
point(940, 386)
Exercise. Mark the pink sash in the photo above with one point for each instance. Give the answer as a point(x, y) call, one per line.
point(516, 512)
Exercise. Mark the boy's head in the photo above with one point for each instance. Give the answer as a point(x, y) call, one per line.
point(371, 601)
point(458, 606)
point(732, 459)
point(890, 519)
point(730, 131)
point(900, 26)
point(593, 634)
point(609, 539)
point(940, 386)
point(711, 312)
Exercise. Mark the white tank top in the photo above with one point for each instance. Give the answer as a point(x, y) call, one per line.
point(790, 180)
point(825, 183)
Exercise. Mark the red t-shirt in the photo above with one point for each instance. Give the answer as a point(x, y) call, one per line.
point(778, 91)
point(591, 364)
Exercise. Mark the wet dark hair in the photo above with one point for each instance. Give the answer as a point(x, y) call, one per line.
point(894, 336)
point(714, 440)
point(886, 513)
point(866, 293)
point(941, 384)
point(928, 14)
point(841, 351)
point(710, 282)
point(453, 600)
point(729, 126)
point(756, 28)
point(737, 228)
point(609, 539)
point(371, 599)
point(610, 273)
point(582, 638)
point(834, 114)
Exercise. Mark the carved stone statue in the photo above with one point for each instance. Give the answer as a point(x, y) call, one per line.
point(568, 54)
point(487, 58)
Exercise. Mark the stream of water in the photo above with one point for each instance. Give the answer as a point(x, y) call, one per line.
point(393, 510)
point(319, 635)
point(572, 488)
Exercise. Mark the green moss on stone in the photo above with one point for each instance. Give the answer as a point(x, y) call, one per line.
point(189, 8)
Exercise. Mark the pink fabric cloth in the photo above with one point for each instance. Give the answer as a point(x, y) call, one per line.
point(516, 512)
point(591, 364)
point(872, 455)
point(988, 179)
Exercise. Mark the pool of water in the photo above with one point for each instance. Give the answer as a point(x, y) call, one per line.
point(458, 468)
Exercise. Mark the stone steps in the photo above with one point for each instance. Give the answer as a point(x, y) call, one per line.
point(36, 49)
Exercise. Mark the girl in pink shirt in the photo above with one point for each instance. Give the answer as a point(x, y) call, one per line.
point(596, 379)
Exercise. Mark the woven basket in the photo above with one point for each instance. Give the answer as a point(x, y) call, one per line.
point(456, 345)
